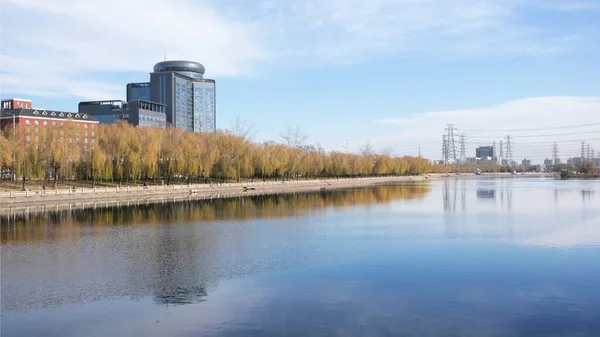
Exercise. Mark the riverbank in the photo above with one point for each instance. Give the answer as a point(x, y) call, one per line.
point(87, 196)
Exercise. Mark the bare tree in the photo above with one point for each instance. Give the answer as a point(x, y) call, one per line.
point(386, 151)
point(366, 150)
point(241, 128)
point(293, 136)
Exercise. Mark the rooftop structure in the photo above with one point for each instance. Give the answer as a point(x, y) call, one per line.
point(187, 68)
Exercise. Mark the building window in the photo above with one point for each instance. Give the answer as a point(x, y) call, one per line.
point(93, 133)
point(85, 134)
point(45, 123)
point(27, 122)
point(85, 141)
point(85, 126)
point(85, 148)
point(93, 126)
point(36, 123)
point(53, 123)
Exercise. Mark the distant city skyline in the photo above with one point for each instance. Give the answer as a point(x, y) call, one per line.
point(387, 72)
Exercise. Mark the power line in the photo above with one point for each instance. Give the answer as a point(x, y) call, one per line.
point(536, 129)
point(545, 135)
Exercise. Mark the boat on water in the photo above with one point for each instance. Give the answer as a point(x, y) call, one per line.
point(477, 172)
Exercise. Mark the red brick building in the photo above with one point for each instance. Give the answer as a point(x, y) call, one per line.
point(86, 126)
point(16, 103)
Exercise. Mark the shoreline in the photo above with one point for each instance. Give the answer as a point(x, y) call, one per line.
point(29, 201)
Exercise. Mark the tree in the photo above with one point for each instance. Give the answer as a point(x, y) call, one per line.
point(585, 166)
point(293, 136)
point(6, 151)
point(241, 128)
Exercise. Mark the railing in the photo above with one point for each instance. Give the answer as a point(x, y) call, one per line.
point(174, 188)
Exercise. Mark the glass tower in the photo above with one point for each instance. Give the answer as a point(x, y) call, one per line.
point(189, 98)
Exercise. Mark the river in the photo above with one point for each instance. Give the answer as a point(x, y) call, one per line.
point(458, 257)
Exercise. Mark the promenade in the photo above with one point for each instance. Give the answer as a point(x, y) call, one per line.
point(124, 194)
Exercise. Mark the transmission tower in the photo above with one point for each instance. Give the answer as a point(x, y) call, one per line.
point(582, 150)
point(451, 130)
point(463, 149)
point(555, 159)
point(589, 152)
point(509, 150)
point(501, 153)
point(445, 149)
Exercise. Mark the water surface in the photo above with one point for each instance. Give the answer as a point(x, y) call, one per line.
point(469, 257)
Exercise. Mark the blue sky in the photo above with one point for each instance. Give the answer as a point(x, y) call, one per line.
point(391, 72)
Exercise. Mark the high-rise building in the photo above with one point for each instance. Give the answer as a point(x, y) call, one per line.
point(190, 99)
point(138, 91)
point(484, 152)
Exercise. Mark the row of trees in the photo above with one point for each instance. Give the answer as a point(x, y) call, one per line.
point(123, 153)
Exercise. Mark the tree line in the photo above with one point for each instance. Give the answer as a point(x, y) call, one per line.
point(126, 154)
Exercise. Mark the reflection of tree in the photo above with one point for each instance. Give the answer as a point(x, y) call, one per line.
point(50, 224)
point(586, 195)
point(179, 295)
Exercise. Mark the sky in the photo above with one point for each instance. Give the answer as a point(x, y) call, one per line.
point(392, 73)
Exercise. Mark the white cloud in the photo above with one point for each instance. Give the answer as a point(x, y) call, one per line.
point(533, 113)
point(63, 45)
point(76, 48)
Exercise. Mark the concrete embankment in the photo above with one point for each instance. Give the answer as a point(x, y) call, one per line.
point(87, 196)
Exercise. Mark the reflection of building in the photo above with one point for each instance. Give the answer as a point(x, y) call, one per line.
point(486, 193)
point(485, 152)
point(136, 112)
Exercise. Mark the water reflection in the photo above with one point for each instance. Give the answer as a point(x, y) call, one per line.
point(415, 260)
point(49, 224)
point(175, 295)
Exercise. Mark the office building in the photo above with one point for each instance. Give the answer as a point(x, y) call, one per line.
point(138, 91)
point(190, 99)
point(526, 163)
point(548, 162)
point(137, 112)
point(485, 152)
